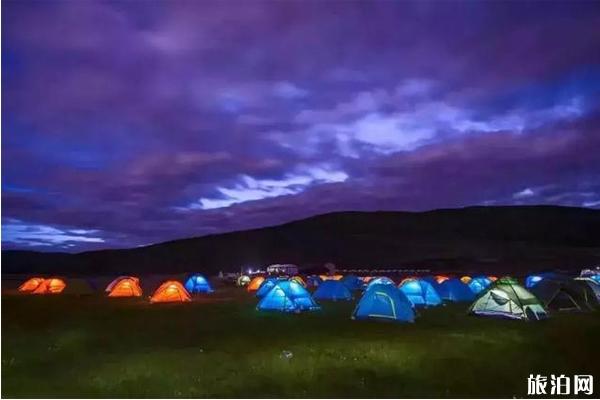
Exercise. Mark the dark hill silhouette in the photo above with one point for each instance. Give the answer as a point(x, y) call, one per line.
point(503, 239)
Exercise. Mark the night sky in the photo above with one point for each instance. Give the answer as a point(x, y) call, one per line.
point(130, 123)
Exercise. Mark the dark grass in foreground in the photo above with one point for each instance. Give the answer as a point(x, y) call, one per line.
point(98, 347)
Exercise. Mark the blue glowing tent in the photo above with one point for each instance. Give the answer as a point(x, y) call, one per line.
point(532, 280)
point(198, 284)
point(385, 302)
point(266, 286)
point(380, 280)
point(420, 292)
point(455, 290)
point(479, 284)
point(332, 290)
point(287, 296)
point(353, 282)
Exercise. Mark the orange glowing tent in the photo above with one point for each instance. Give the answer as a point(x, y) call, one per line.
point(125, 287)
point(441, 278)
point(466, 279)
point(493, 278)
point(111, 285)
point(331, 277)
point(299, 280)
point(170, 291)
point(366, 279)
point(50, 286)
point(31, 284)
point(255, 283)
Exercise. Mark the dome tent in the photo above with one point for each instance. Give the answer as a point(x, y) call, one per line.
point(384, 302)
point(332, 290)
point(50, 286)
point(353, 282)
point(565, 295)
point(532, 280)
point(115, 281)
point(30, 284)
point(243, 280)
point(169, 292)
point(466, 279)
point(267, 285)
point(112, 284)
point(455, 290)
point(127, 286)
point(255, 283)
point(197, 283)
point(380, 280)
point(506, 298)
point(479, 284)
point(287, 296)
point(420, 292)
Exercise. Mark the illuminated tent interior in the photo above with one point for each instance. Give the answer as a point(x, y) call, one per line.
point(128, 286)
point(420, 292)
point(170, 291)
point(479, 284)
point(50, 286)
point(267, 285)
point(384, 302)
point(243, 280)
point(287, 296)
point(30, 284)
point(112, 284)
point(255, 283)
point(465, 279)
point(197, 283)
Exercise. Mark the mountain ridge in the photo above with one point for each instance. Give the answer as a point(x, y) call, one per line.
point(477, 236)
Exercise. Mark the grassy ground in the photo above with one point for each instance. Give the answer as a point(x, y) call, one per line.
point(221, 347)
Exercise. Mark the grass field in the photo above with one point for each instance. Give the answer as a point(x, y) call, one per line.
point(221, 347)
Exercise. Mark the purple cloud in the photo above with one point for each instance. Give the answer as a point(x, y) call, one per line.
point(132, 123)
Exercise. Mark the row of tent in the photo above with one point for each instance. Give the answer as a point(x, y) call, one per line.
point(381, 298)
point(421, 291)
point(126, 286)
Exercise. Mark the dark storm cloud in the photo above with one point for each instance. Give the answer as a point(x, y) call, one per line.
point(128, 123)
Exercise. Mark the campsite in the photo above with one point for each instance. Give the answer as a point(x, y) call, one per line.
point(300, 199)
point(220, 345)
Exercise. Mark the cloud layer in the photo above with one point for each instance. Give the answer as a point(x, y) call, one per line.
point(129, 123)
